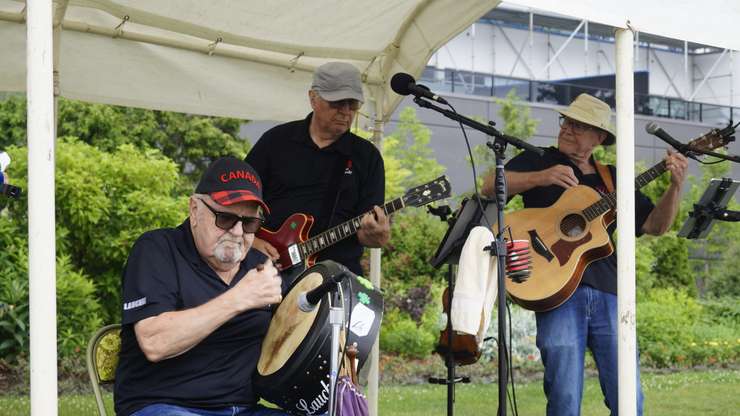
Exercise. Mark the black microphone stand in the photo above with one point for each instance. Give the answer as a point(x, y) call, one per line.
point(497, 249)
point(690, 151)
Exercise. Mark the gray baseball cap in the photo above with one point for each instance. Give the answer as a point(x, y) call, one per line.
point(336, 81)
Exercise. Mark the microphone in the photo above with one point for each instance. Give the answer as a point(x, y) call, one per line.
point(656, 131)
point(404, 84)
point(307, 301)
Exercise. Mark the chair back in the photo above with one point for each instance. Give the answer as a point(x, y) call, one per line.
point(102, 360)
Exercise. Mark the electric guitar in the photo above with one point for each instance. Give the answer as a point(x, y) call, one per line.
point(567, 236)
point(296, 248)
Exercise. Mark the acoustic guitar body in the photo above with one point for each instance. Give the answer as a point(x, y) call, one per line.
point(563, 241)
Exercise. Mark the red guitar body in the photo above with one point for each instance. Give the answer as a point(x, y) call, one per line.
point(294, 230)
point(295, 247)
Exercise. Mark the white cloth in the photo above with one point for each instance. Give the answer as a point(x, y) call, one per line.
point(476, 285)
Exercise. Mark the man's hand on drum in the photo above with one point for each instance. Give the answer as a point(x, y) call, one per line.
point(259, 288)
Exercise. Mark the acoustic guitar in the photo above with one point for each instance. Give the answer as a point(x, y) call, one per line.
point(572, 233)
point(295, 247)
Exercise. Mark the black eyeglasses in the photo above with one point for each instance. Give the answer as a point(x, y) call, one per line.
point(576, 126)
point(353, 105)
point(226, 220)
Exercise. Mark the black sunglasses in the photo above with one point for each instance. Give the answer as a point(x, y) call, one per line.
point(226, 220)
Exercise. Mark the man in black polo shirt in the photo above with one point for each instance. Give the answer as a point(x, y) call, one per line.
point(197, 305)
point(589, 317)
point(317, 166)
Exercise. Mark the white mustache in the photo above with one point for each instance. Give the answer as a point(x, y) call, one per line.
point(230, 240)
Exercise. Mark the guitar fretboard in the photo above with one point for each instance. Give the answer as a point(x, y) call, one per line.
point(342, 231)
point(609, 201)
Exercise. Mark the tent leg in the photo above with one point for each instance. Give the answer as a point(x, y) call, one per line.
point(373, 377)
point(41, 221)
point(627, 344)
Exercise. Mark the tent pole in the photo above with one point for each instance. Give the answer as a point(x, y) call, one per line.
point(373, 377)
point(41, 221)
point(627, 345)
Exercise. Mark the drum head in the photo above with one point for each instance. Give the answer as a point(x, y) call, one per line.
point(289, 326)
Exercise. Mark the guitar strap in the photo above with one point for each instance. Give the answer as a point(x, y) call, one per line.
point(606, 175)
point(331, 199)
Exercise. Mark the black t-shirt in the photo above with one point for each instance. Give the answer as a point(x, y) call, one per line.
point(602, 273)
point(165, 273)
point(298, 177)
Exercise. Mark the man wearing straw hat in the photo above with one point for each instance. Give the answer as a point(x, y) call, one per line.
point(317, 166)
point(589, 318)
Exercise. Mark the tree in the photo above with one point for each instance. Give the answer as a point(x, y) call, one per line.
point(104, 201)
point(517, 123)
point(407, 150)
point(408, 278)
point(191, 141)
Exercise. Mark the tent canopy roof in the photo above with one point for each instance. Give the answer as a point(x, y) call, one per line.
point(247, 59)
point(254, 59)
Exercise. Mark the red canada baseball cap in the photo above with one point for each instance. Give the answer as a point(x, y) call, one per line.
point(229, 180)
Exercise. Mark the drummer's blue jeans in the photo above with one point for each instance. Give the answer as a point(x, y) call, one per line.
point(162, 409)
point(587, 319)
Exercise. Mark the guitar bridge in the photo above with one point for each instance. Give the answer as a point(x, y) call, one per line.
point(295, 254)
point(539, 246)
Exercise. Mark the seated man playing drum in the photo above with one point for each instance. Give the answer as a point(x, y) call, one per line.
point(197, 304)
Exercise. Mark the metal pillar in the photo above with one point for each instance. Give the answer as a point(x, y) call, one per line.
point(627, 342)
point(41, 219)
point(373, 376)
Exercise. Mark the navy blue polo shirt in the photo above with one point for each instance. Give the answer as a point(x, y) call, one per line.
point(297, 177)
point(164, 273)
point(601, 274)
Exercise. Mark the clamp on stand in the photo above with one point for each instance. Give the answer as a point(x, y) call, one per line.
point(711, 207)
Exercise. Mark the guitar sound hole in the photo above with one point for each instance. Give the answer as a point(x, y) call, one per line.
point(573, 225)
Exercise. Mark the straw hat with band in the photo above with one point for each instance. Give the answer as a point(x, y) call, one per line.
point(590, 110)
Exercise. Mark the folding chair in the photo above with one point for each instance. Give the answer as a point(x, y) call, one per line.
point(102, 359)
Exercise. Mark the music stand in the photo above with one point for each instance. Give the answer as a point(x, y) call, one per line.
point(448, 252)
point(711, 207)
point(468, 216)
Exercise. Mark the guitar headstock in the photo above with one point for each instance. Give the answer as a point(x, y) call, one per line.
point(714, 139)
point(429, 192)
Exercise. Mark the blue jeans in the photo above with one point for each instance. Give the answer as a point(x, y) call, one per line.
point(587, 319)
point(161, 409)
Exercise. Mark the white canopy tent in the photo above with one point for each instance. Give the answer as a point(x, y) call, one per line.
point(254, 59)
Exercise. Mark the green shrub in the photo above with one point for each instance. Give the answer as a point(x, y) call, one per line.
point(665, 319)
point(104, 201)
point(414, 238)
point(78, 311)
point(401, 335)
point(13, 289)
point(725, 311)
point(675, 330)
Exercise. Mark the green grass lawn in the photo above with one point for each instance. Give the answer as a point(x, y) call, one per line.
point(677, 394)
